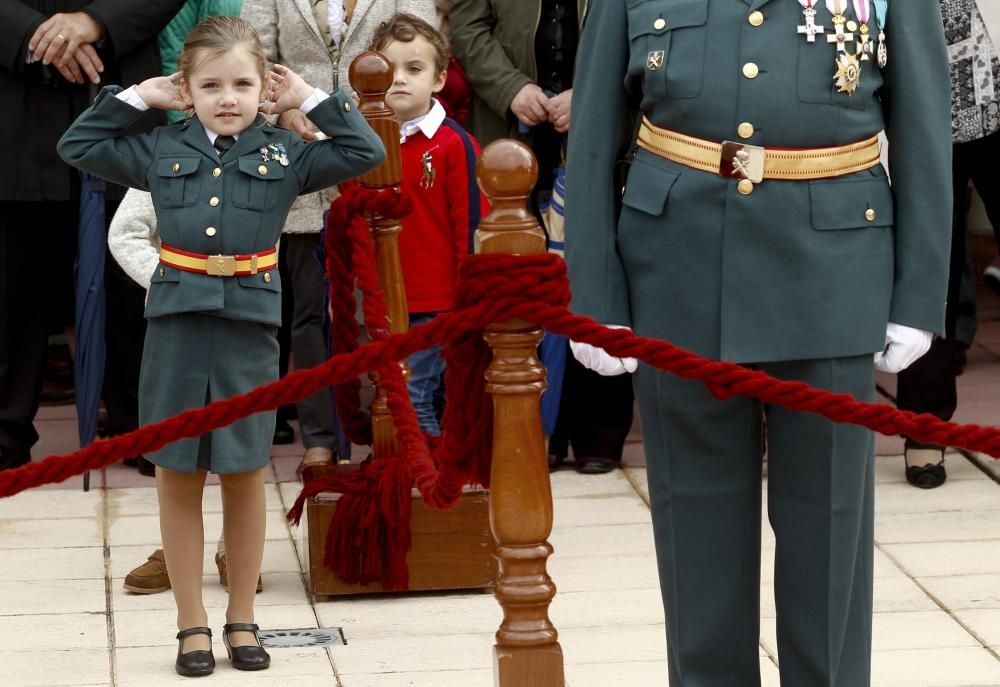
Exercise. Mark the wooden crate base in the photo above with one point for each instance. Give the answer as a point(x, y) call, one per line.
point(452, 549)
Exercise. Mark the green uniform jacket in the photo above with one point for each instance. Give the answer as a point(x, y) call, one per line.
point(793, 270)
point(494, 41)
point(184, 173)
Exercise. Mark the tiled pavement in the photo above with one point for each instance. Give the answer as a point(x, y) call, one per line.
point(65, 620)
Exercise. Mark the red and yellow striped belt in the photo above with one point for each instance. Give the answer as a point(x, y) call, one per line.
point(218, 265)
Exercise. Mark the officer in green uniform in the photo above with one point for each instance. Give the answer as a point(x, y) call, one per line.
point(757, 226)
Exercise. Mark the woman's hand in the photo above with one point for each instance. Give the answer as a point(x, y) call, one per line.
point(164, 93)
point(287, 91)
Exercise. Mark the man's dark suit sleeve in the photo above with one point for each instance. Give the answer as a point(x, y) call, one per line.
point(131, 23)
point(17, 25)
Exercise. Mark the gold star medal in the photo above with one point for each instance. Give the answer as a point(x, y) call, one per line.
point(848, 74)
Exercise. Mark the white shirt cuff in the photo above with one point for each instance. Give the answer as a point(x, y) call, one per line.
point(132, 97)
point(312, 101)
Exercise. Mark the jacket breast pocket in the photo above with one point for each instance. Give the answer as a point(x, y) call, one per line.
point(860, 201)
point(258, 184)
point(669, 39)
point(820, 66)
point(177, 184)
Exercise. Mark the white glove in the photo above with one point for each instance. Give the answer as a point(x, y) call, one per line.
point(598, 360)
point(903, 346)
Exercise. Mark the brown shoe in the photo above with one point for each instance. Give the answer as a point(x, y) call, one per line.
point(314, 457)
point(150, 577)
point(220, 563)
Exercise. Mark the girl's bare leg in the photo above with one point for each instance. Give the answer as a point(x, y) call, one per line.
point(182, 530)
point(243, 527)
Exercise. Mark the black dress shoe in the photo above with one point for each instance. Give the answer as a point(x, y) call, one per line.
point(595, 466)
point(928, 475)
point(245, 657)
point(283, 433)
point(194, 663)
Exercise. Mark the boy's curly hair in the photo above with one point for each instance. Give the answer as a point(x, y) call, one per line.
point(405, 27)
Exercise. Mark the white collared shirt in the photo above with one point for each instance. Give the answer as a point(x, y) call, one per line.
point(428, 123)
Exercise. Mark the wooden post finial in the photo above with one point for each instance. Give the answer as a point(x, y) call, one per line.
point(527, 651)
point(507, 173)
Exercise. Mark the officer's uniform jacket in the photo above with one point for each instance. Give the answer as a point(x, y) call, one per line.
point(796, 269)
point(235, 204)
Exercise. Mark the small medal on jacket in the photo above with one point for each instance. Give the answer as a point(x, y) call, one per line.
point(881, 14)
point(862, 8)
point(840, 37)
point(810, 28)
point(428, 174)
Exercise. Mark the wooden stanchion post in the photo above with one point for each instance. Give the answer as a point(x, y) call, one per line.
point(527, 652)
point(371, 76)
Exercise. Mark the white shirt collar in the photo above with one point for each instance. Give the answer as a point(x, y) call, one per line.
point(428, 124)
point(212, 135)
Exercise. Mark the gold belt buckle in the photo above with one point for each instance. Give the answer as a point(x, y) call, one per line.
point(253, 264)
point(220, 265)
point(742, 161)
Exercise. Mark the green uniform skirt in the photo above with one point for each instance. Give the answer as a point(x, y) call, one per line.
point(192, 359)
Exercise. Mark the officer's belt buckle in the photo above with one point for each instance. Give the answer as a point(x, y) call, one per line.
point(220, 265)
point(742, 161)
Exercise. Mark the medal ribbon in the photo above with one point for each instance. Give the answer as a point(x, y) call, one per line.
point(836, 7)
point(862, 9)
point(881, 12)
point(807, 3)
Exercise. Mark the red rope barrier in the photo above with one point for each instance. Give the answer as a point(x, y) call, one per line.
point(494, 288)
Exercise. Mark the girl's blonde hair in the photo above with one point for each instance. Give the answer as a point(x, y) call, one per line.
point(216, 36)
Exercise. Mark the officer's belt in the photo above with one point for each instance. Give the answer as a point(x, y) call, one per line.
point(743, 161)
point(218, 265)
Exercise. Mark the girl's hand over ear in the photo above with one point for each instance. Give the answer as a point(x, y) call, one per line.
point(164, 92)
point(287, 91)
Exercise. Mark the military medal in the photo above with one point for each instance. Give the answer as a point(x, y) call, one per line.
point(810, 28)
point(840, 37)
point(848, 74)
point(862, 9)
point(881, 14)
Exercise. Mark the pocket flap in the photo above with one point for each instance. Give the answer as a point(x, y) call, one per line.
point(177, 166)
point(643, 18)
point(272, 282)
point(165, 273)
point(851, 203)
point(647, 187)
point(256, 167)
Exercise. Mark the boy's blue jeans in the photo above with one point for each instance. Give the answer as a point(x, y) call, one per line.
point(426, 377)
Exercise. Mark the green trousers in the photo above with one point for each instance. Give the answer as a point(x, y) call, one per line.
point(704, 465)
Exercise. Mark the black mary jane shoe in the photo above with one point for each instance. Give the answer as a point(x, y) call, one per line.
point(929, 475)
point(595, 466)
point(245, 657)
point(194, 663)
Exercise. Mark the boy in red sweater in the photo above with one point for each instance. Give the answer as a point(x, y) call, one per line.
point(439, 173)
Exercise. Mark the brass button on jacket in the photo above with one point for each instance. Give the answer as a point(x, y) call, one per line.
point(756, 18)
point(745, 187)
point(745, 130)
point(870, 215)
point(659, 24)
point(262, 170)
point(210, 231)
point(176, 167)
point(213, 201)
point(750, 70)
point(267, 277)
point(217, 172)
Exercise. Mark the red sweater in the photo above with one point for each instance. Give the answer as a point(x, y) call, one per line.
point(439, 174)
